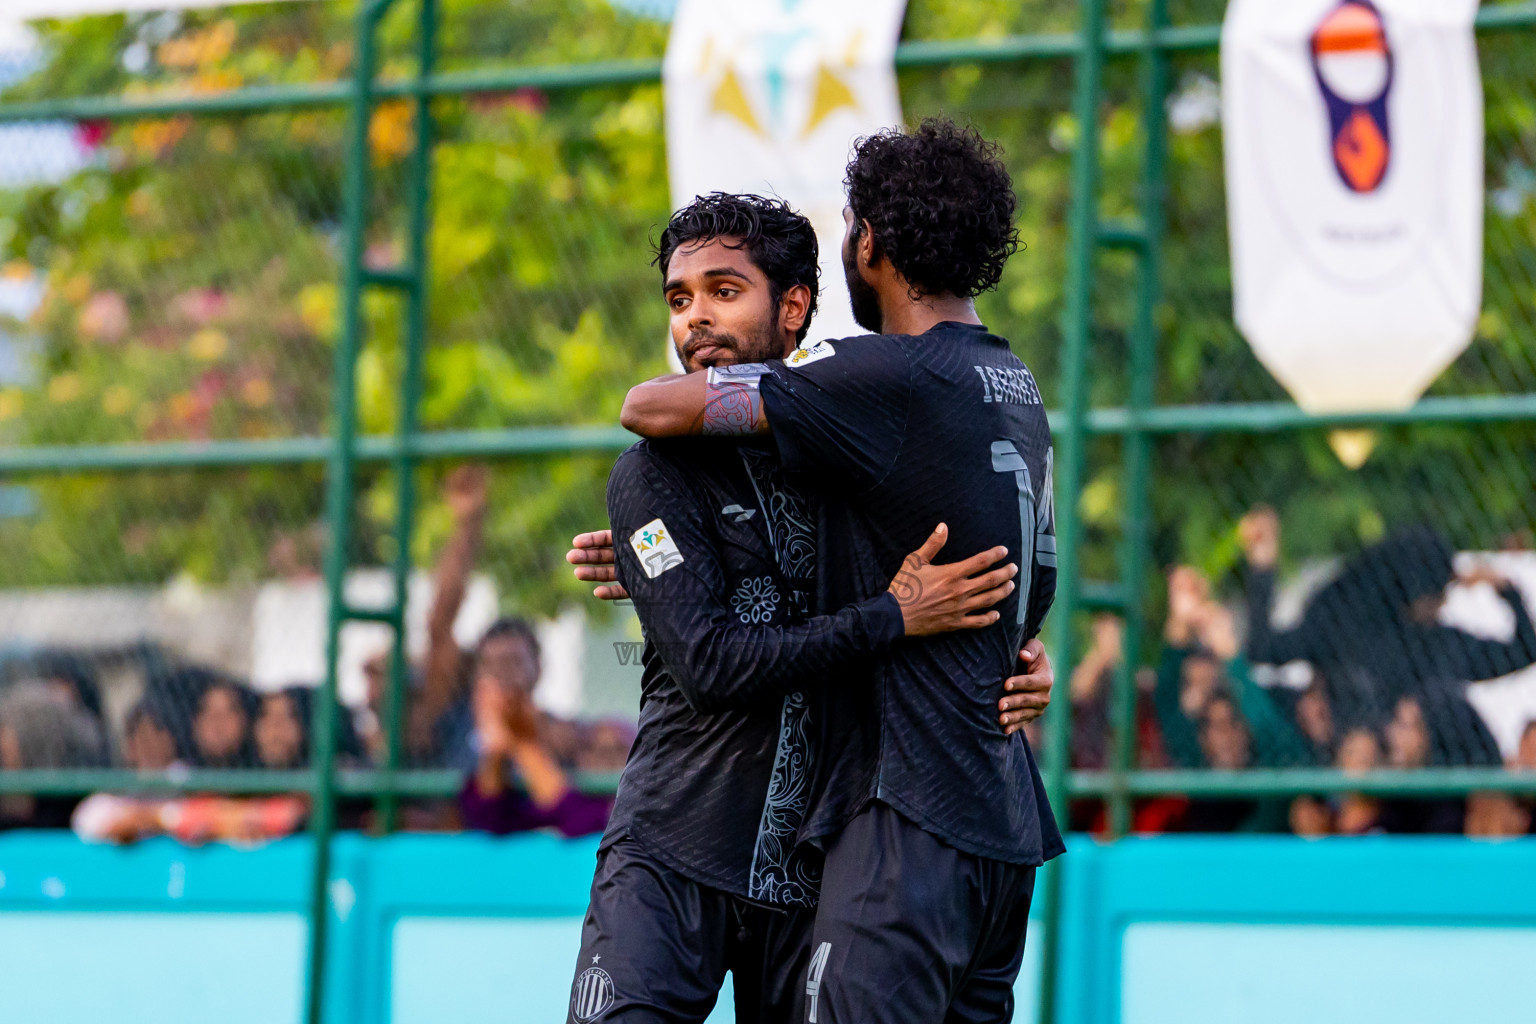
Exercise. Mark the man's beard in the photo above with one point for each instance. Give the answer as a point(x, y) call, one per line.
point(762, 344)
point(861, 296)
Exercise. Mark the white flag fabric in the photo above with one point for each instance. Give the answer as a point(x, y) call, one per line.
point(1354, 156)
point(767, 96)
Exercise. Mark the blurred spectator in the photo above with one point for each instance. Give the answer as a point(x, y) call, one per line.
point(1408, 747)
point(1407, 736)
point(1357, 814)
point(280, 740)
point(148, 743)
point(1187, 680)
point(437, 691)
point(508, 651)
point(439, 716)
point(106, 817)
point(1501, 815)
point(1525, 753)
point(176, 692)
point(1314, 718)
point(42, 728)
point(510, 743)
point(1311, 817)
point(221, 728)
point(509, 656)
point(1374, 635)
point(1497, 816)
point(68, 673)
point(1201, 662)
point(1224, 738)
point(1212, 713)
point(282, 728)
point(1226, 744)
point(1361, 751)
point(1092, 685)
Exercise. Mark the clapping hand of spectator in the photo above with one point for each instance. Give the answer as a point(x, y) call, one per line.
point(492, 734)
point(522, 720)
point(1259, 534)
point(1187, 596)
point(1099, 661)
point(489, 705)
point(1108, 639)
point(507, 726)
point(592, 555)
point(1216, 631)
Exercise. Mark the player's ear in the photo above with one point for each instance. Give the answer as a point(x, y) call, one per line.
point(794, 306)
point(868, 254)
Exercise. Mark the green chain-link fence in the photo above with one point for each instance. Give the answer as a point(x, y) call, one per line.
point(256, 205)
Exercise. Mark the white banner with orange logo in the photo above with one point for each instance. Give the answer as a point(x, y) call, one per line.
point(1354, 153)
point(768, 96)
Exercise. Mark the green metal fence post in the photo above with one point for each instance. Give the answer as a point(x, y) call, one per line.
point(1077, 327)
point(1136, 528)
point(338, 505)
point(415, 272)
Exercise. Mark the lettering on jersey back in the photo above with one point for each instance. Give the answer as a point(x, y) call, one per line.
point(1012, 384)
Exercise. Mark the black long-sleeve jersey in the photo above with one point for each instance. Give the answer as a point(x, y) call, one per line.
point(899, 433)
point(717, 549)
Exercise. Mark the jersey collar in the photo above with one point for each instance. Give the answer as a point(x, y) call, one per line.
point(956, 325)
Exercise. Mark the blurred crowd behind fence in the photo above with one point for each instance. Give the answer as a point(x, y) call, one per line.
point(271, 275)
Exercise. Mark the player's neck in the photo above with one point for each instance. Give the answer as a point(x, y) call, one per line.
point(906, 315)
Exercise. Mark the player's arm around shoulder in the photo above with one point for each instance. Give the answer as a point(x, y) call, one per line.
point(840, 409)
point(727, 400)
point(720, 401)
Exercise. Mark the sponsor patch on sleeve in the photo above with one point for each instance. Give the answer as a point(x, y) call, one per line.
point(807, 354)
point(655, 547)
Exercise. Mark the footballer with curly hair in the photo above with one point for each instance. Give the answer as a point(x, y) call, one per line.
point(699, 873)
point(932, 821)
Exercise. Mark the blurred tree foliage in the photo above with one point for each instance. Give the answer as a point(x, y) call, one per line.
point(191, 289)
point(192, 284)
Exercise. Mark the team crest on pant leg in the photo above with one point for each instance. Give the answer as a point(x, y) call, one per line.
point(591, 995)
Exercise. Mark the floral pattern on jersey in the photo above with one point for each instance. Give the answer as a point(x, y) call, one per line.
point(784, 872)
point(755, 600)
point(791, 523)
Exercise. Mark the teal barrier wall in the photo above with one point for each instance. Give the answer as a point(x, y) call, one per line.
point(469, 928)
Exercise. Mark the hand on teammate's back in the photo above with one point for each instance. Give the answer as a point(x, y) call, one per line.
point(933, 599)
point(944, 598)
point(592, 555)
point(1028, 694)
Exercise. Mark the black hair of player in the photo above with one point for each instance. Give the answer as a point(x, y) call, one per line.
point(780, 242)
point(940, 204)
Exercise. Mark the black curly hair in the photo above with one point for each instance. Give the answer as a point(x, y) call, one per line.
point(940, 203)
point(780, 242)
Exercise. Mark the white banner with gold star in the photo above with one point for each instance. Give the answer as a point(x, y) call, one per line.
point(767, 96)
